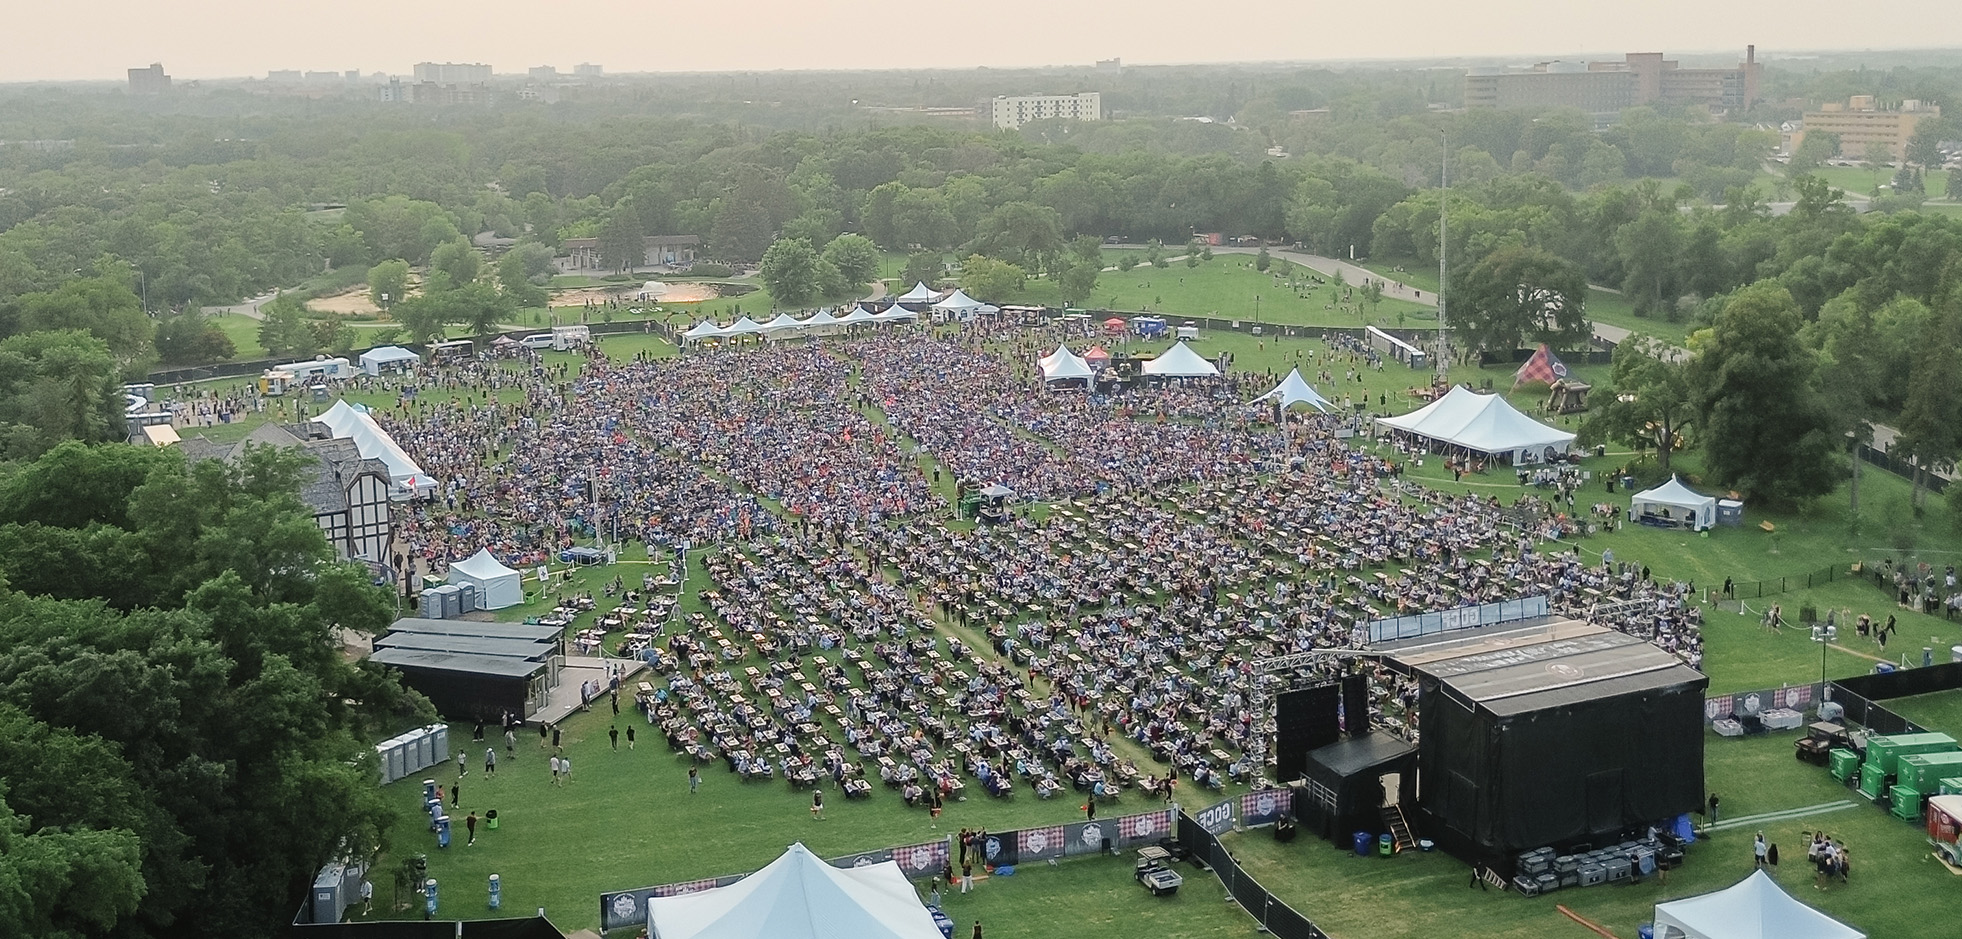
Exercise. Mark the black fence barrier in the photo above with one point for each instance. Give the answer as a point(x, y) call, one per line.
point(1901, 468)
point(1901, 683)
point(1871, 715)
point(1754, 589)
point(530, 927)
point(1274, 915)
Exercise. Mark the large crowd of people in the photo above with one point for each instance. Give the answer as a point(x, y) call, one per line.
point(849, 627)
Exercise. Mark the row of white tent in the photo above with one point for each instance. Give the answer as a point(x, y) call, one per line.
point(785, 323)
point(352, 421)
point(1177, 362)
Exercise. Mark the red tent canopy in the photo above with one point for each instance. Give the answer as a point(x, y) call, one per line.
point(1096, 353)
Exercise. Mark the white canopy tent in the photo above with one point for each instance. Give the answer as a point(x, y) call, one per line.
point(1063, 364)
point(1295, 390)
point(821, 323)
point(959, 305)
point(1755, 908)
point(798, 896)
point(705, 329)
point(895, 313)
point(344, 420)
point(1482, 424)
point(1180, 362)
point(497, 586)
point(783, 323)
point(743, 327)
point(1679, 500)
point(375, 360)
point(859, 314)
point(921, 293)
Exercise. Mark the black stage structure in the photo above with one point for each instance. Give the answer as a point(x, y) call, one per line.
point(1556, 733)
point(474, 670)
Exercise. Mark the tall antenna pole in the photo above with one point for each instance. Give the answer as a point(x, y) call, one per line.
point(1443, 198)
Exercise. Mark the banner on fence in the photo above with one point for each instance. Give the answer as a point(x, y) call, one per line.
point(1264, 807)
point(1039, 844)
point(1002, 848)
point(627, 909)
point(1427, 624)
point(921, 861)
point(1754, 703)
point(1217, 818)
point(862, 859)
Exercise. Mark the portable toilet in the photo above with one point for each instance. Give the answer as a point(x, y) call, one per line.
point(452, 600)
point(432, 604)
point(439, 742)
point(468, 594)
point(1872, 781)
point(329, 900)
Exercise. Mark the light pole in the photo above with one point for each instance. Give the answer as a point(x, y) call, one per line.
point(143, 283)
point(1443, 269)
point(1824, 635)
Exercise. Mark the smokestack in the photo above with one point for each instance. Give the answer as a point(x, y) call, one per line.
point(1750, 54)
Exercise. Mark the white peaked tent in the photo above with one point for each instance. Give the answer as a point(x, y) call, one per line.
point(344, 420)
point(374, 360)
point(821, 323)
point(705, 329)
point(1756, 908)
point(1482, 424)
point(920, 293)
point(1681, 501)
point(798, 896)
point(1180, 362)
point(783, 323)
point(1295, 390)
point(959, 303)
point(743, 327)
point(859, 314)
point(1063, 364)
point(497, 586)
point(894, 313)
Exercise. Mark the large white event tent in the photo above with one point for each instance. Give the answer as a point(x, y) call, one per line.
point(894, 313)
point(1482, 424)
point(822, 322)
point(743, 327)
point(920, 293)
point(1063, 364)
point(375, 360)
point(799, 896)
point(859, 314)
point(1755, 908)
point(958, 304)
point(783, 323)
point(1180, 362)
point(344, 420)
point(1681, 501)
point(1295, 390)
point(497, 586)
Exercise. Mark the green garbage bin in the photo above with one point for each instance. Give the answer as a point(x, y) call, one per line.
point(1872, 780)
point(1844, 764)
point(490, 819)
point(1386, 845)
point(1907, 803)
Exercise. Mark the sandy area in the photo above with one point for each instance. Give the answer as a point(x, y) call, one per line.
point(353, 301)
point(673, 293)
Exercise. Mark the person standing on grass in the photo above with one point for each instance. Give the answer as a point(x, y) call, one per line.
point(1713, 808)
point(490, 761)
point(456, 794)
point(630, 736)
point(543, 731)
point(1758, 851)
point(565, 770)
point(470, 825)
point(510, 740)
point(694, 779)
point(555, 770)
point(613, 733)
point(817, 804)
point(462, 766)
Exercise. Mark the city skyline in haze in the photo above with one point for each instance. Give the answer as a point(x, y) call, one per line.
point(206, 39)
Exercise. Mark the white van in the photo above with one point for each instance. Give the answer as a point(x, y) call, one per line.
point(570, 337)
point(539, 341)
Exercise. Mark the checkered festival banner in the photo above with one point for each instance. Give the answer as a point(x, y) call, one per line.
point(1264, 807)
point(923, 860)
point(1038, 844)
point(627, 909)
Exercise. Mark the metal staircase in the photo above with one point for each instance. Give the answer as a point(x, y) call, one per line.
point(1399, 827)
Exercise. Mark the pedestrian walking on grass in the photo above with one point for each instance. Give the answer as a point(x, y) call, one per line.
point(470, 825)
point(555, 771)
point(613, 733)
point(510, 740)
point(817, 804)
point(1758, 851)
point(694, 779)
point(490, 761)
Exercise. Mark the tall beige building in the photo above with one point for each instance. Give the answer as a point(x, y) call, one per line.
point(1640, 78)
point(1860, 122)
point(1009, 113)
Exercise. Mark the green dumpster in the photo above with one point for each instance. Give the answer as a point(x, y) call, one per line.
point(1886, 752)
point(1907, 803)
point(1924, 772)
point(1872, 781)
point(1845, 763)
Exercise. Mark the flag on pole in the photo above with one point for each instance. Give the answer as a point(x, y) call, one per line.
point(1544, 367)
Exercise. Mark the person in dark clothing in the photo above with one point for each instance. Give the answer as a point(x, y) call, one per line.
point(977, 929)
point(613, 733)
point(470, 825)
point(1713, 808)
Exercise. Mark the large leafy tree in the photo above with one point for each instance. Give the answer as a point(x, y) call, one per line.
point(457, 260)
point(388, 282)
point(990, 279)
point(1931, 420)
point(855, 257)
point(56, 386)
point(283, 328)
point(1650, 399)
point(1520, 295)
point(1021, 233)
point(1766, 428)
point(790, 271)
point(102, 306)
point(185, 750)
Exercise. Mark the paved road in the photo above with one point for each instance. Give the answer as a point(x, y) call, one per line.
point(248, 309)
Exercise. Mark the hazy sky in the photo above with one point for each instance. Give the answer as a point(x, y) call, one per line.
point(221, 38)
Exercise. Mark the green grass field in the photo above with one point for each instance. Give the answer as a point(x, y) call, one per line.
point(1228, 287)
point(1602, 305)
point(627, 820)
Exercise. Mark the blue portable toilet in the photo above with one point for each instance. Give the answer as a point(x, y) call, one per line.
point(496, 892)
point(429, 898)
point(443, 831)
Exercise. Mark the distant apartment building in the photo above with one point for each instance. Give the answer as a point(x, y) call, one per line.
point(583, 254)
point(542, 73)
point(452, 73)
point(1641, 78)
point(433, 93)
point(1861, 123)
point(149, 81)
point(587, 70)
point(1011, 112)
point(285, 76)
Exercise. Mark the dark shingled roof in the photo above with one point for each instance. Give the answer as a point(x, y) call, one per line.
point(337, 461)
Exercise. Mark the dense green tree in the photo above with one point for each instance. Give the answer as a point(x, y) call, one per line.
point(388, 282)
point(855, 257)
point(283, 328)
point(622, 244)
point(1931, 419)
point(1650, 399)
point(1022, 233)
point(102, 306)
point(1081, 267)
point(56, 386)
point(921, 267)
point(1650, 248)
point(1521, 295)
point(458, 260)
point(192, 339)
point(742, 231)
point(790, 271)
point(991, 280)
point(1262, 260)
point(1766, 429)
point(516, 284)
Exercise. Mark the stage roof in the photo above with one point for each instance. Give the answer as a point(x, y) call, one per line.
point(503, 666)
point(471, 645)
point(1544, 666)
point(1356, 754)
point(464, 627)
